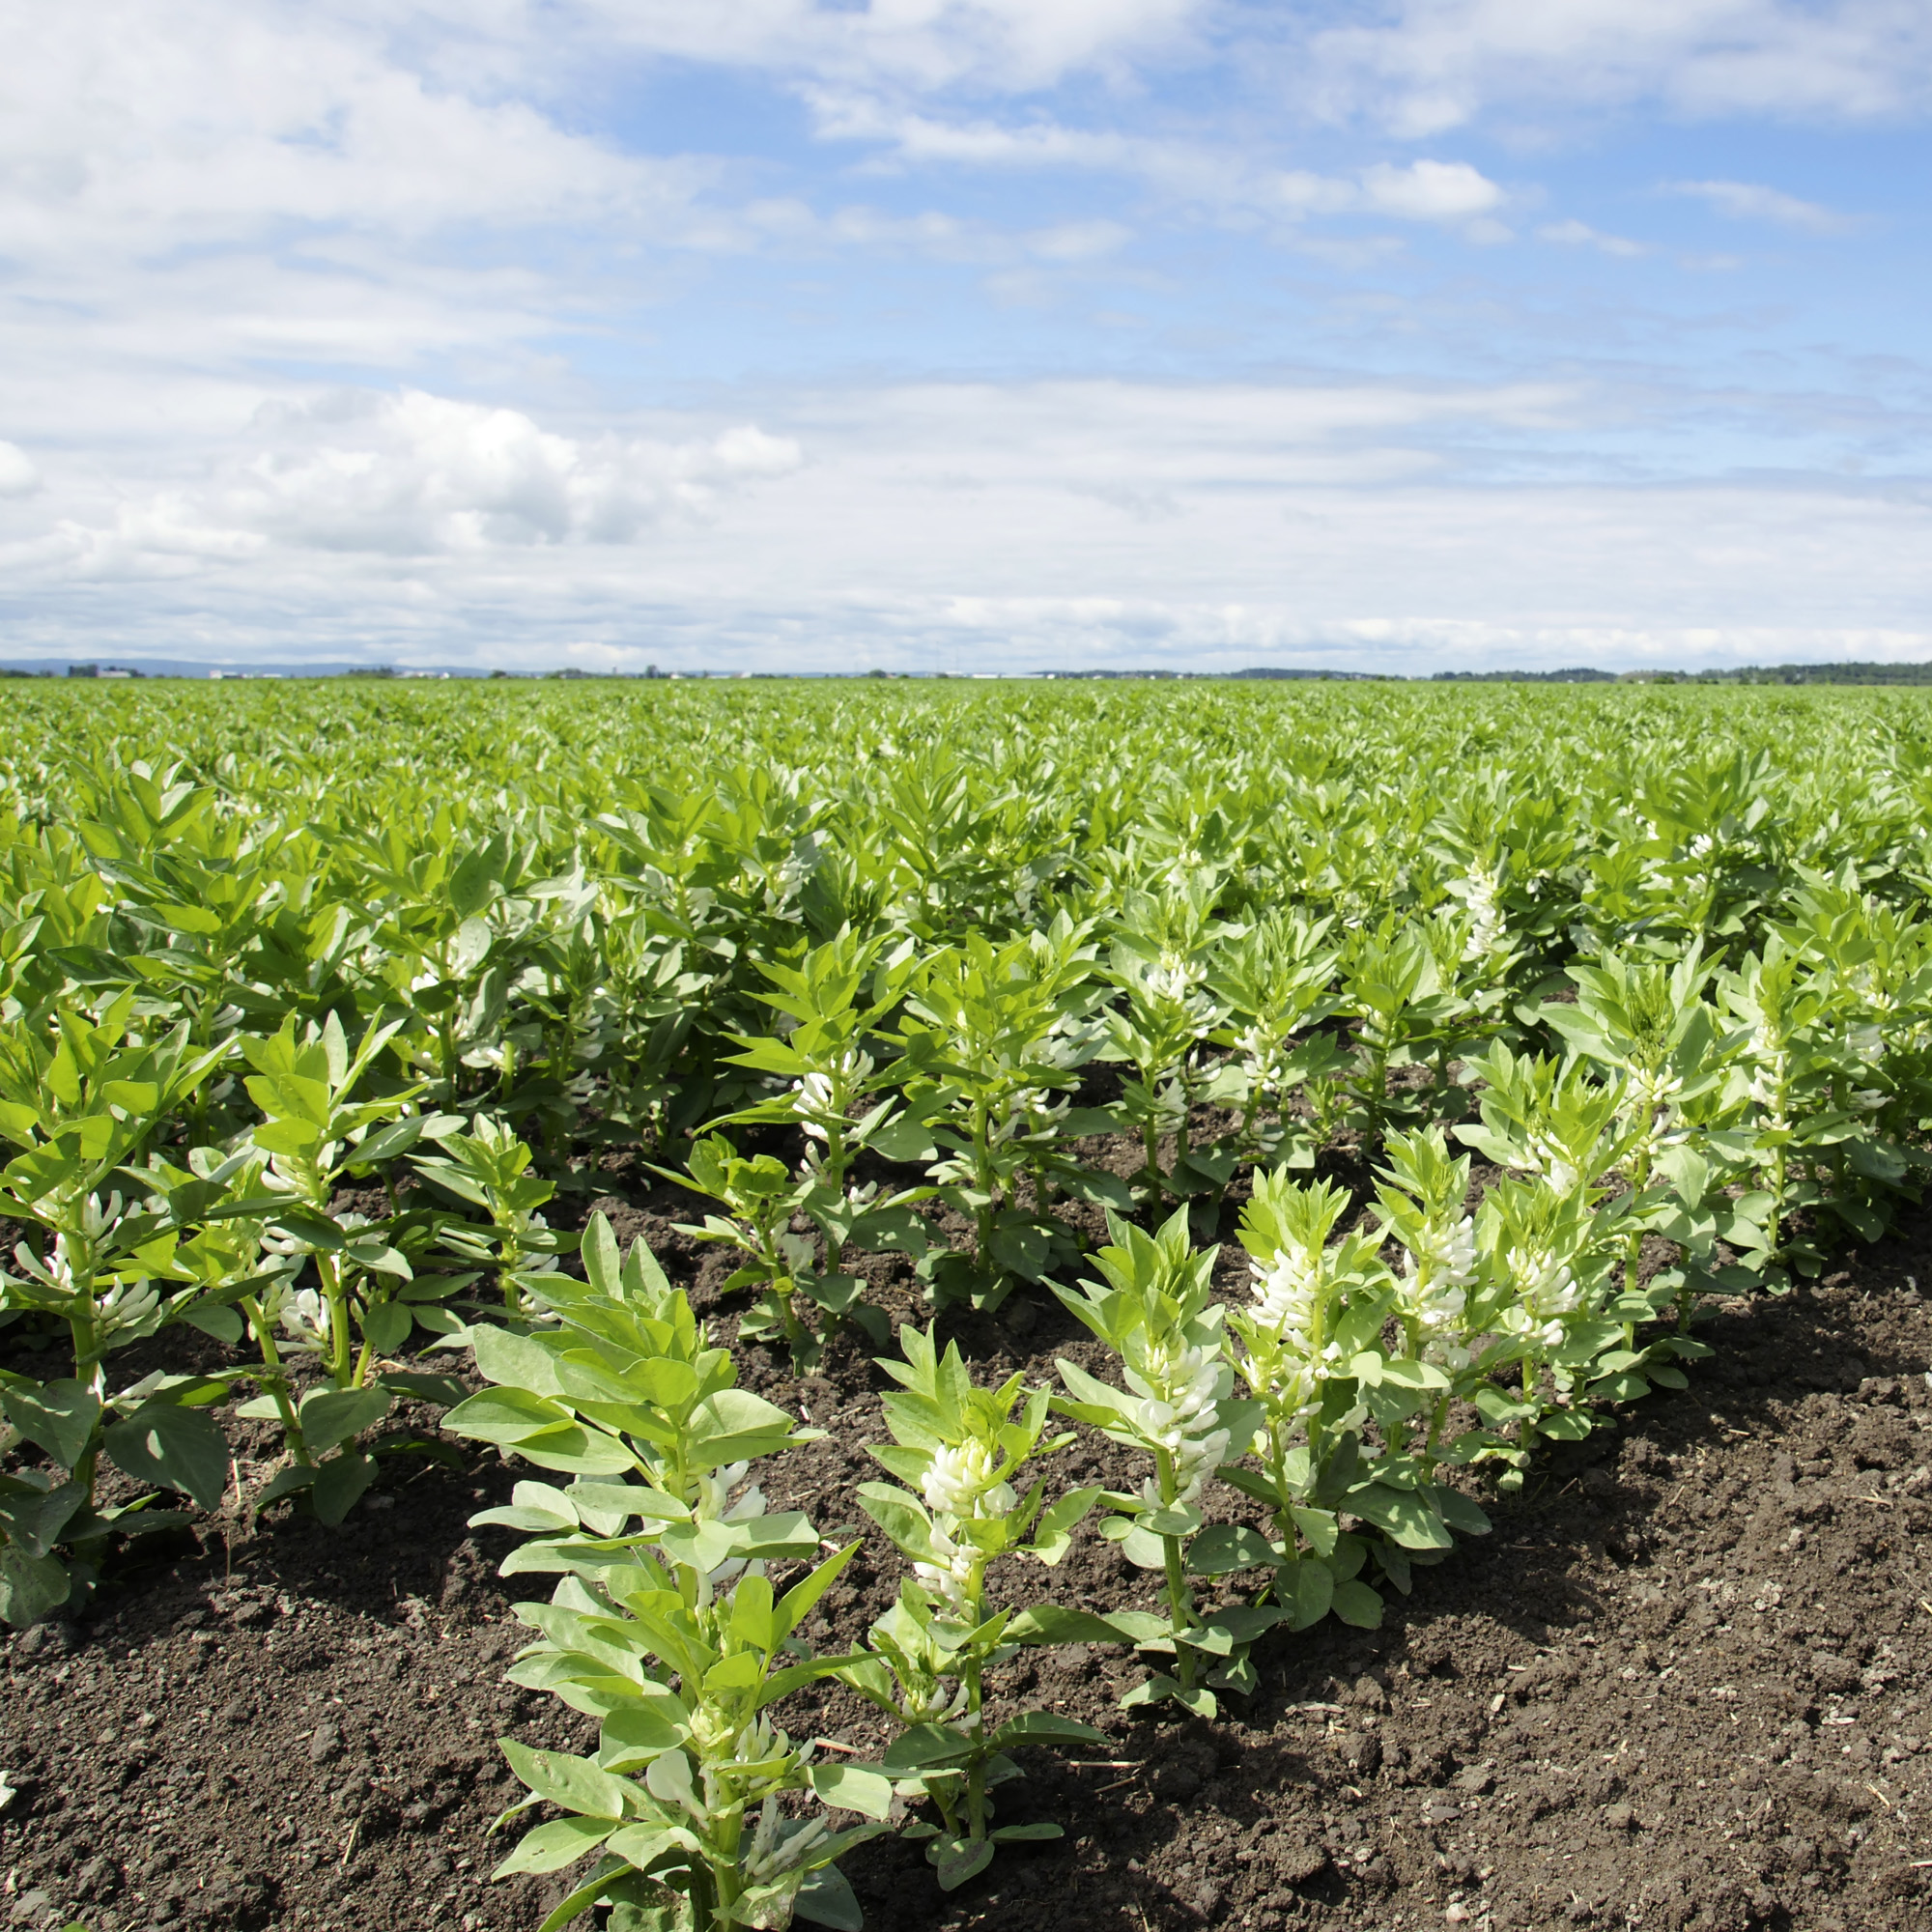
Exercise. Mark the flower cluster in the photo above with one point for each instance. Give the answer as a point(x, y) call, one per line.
point(960, 1483)
point(1289, 1289)
point(1487, 932)
point(1547, 1292)
point(1183, 1387)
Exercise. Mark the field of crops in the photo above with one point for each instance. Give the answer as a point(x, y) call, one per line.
point(1257, 1135)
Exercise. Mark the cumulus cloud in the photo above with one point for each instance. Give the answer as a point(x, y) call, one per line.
point(414, 475)
point(1430, 191)
point(1746, 201)
point(126, 127)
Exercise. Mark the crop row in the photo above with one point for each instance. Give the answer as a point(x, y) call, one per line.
point(295, 1058)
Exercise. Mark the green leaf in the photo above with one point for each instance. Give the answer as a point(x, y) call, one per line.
point(853, 1788)
point(1052, 1534)
point(1457, 1511)
point(1050, 1623)
point(900, 1517)
point(59, 1417)
point(1402, 1514)
point(514, 1361)
point(1306, 1590)
point(1355, 1602)
point(30, 1586)
point(959, 1859)
point(183, 1448)
point(1037, 1726)
point(920, 1747)
point(387, 1325)
point(288, 1482)
point(507, 1416)
point(635, 1734)
point(441, 1391)
point(550, 1847)
point(570, 1783)
point(330, 1416)
point(34, 1518)
point(1224, 1547)
point(1020, 1834)
point(826, 1898)
point(289, 1137)
point(211, 1318)
point(1138, 1626)
point(339, 1485)
point(734, 1426)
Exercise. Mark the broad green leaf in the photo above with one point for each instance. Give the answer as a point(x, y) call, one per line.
point(183, 1448)
point(920, 1747)
point(340, 1482)
point(330, 1416)
point(1358, 1605)
point(1039, 1727)
point(1225, 1547)
point(570, 1783)
point(826, 1898)
point(732, 1426)
point(550, 1847)
point(30, 1586)
point(853, 1788)
point(60, 1417)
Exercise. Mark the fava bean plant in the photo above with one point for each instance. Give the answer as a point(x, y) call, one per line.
point(1384, 1077)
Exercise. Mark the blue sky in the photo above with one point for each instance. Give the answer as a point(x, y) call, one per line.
point(965, 334)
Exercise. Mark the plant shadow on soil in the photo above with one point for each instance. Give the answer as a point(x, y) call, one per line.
point(1679, 1686)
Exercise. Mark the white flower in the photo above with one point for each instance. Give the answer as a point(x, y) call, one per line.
point(1487, 929)
point(933, 1706)
point(960, 1480)
point(1195, 1461)
point(1547, 1291)
point(1287, 1289)
point(305, 1316)
point(1171, 979)
point(953, 1574)
point(1558, 1167)
point(1447, 1256)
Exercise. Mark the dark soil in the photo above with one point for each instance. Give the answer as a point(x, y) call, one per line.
point(1683, 1684)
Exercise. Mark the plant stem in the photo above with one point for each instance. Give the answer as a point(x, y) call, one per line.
point(975, 1723)
point(335, 1298)
point(275, 1377)
point(1180, 1600)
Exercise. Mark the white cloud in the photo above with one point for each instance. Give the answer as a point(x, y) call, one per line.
point(416, 476)
point(1430, 191)
point(18, 477)
point(1745, 201)
point(921, 45)
point(148, 130)
point(1185, 171)
point(986, 525)
point(1439, 64)
point(1573, 234)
